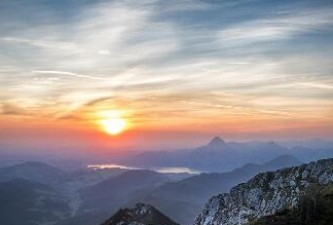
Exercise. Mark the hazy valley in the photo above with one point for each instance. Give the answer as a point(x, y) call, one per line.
point(45, 194)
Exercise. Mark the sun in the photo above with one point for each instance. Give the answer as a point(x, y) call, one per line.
point(112, 123)
point(113, 126)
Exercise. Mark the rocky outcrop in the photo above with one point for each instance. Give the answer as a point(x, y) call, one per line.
point(141, 214)
point(265, 194)
point(315, 207)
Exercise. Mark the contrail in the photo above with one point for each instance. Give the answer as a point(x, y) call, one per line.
point(66, 73)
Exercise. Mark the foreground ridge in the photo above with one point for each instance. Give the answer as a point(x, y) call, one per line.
point(314, 207)
point(265, 194)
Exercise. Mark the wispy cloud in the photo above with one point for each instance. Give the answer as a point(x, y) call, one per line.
point(317, 85)
point(185, 60)
point(66, 73)
point(281, 27)
point(43, 43)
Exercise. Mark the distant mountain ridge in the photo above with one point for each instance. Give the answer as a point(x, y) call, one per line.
point(216, 156)
point(34, 171)
point(265, 194)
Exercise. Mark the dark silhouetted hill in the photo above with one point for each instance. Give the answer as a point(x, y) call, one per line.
point(141, 214)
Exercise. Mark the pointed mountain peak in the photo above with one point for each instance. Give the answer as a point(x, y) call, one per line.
point(216, 142)
point(141, 209)
point(141, 214)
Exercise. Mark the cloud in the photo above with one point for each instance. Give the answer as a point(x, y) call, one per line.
point(9, 109)
point(279, 28)
point(43, 43)
point(109, 34)
point(200, 60)
point(66, 73)
point(316, 85)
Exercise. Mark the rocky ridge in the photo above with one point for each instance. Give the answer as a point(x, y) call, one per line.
point(265, 194)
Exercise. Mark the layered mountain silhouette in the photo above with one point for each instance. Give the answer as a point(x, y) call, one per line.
point(181, 200)
point(141, 214)
point(299, 195)
point(90, 196)
point(216, 156)
point(184, 199)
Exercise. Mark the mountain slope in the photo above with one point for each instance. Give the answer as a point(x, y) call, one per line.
point(34, 171)
point(265, 194)
point(30, 203)
point(105, 198)
point(141, 214)
point(124, 184)
point(183, 200)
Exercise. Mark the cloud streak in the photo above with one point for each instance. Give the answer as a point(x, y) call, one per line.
point(66, 73)
point(280, 28)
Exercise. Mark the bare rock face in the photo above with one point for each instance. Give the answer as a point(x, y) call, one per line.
point(265, 194)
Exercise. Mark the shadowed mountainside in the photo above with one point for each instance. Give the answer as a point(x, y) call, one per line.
point(30, 203)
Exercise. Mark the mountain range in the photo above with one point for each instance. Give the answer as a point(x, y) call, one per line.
point(90, 196)
point(190, 195)
point(46, 194)
point(221, 156)
point(298, 195)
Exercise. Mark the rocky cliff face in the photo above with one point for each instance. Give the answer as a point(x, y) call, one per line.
point(315, 207)
point(265, 194)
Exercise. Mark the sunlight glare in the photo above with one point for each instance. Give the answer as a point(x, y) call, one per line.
point(112, 123)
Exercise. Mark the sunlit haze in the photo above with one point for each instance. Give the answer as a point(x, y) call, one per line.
point(154, 74)
point(166, 112)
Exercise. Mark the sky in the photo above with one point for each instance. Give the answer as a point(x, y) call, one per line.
point(177, 71)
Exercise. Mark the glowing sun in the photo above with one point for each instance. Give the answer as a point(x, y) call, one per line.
point(114, 126)
point(112, 123)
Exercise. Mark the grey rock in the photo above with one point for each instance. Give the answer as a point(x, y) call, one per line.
point(265, 194)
